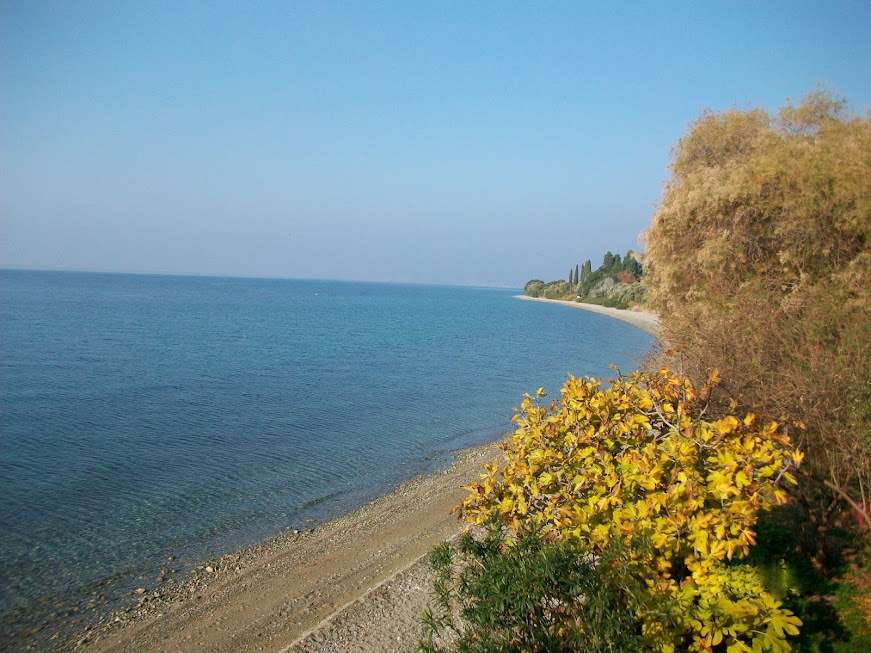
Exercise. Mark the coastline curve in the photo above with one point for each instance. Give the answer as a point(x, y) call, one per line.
point(644, 320)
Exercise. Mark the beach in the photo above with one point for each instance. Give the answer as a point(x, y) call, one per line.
point(356, 583)
point(169, 440)
point(642, 319)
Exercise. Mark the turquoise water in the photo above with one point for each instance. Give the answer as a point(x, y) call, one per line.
point(146, 416)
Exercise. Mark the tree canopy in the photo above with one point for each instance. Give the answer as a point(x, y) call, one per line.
point(758, 263)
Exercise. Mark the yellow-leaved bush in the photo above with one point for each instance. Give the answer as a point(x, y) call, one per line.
point(638, 459)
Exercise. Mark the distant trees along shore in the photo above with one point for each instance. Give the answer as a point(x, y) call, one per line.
point(616, 283)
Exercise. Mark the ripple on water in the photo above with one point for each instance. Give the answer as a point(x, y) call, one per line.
point(148, 416)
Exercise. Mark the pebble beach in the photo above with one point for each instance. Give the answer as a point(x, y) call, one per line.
point(356, 583)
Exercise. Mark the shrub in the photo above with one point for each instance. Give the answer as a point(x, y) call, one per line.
point(759, 264)
point(610, 302)
point(555, 289)
point(638, 461)
point(628, 293)
point(530, 595)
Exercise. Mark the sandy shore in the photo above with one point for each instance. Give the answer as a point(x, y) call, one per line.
point(642, 319)
point(357, 583)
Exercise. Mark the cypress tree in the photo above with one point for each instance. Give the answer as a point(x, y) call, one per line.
point(577, 278)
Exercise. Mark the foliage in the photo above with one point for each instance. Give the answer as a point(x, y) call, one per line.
point(628, 293)
point(586, 271)
point(617, 295)
point(616, 280)
point(622, 270)
point(851, 604)
point(835, 614)
point(760, 264)
point(604, 301)
point(637, 461)
point(625, 277)
point(533, 287)
point(555, 289)
point(632, 265)
point(530, 595)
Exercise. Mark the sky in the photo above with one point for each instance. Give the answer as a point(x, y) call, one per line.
point(478, 143)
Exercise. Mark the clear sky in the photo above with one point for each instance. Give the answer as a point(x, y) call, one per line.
point(447, 142)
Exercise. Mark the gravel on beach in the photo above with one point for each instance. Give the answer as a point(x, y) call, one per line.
point(357, 583)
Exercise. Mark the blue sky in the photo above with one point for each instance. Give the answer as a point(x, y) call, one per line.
point(449, 142)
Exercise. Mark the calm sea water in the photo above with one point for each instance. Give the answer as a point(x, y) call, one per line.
point(147, 416)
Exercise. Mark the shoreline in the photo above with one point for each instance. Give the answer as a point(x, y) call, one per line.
point(357, 582)
point(368, 567)
point(644, 320)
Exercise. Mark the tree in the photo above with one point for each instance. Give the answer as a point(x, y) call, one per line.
point(631, 264)
point(570, 277)
point(585, 277)
point(533, 287)
point(577, 278)
point(759, 263)
point(608, 261)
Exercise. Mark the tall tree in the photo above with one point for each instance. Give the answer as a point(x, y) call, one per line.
point(577, 278)
point(608, 261)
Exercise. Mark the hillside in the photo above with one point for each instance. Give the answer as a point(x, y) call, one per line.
point(616, 283)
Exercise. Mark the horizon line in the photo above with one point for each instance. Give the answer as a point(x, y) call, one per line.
point(216, 275)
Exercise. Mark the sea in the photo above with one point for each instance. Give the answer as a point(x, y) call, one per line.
point(149, 416)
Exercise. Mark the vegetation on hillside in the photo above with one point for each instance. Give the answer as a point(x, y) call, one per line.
point(614, 283)
point(638, 465)
point(653, 514)
point(759, 262)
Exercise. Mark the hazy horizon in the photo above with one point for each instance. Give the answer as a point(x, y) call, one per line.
point(218, 275)
point(432, 143)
